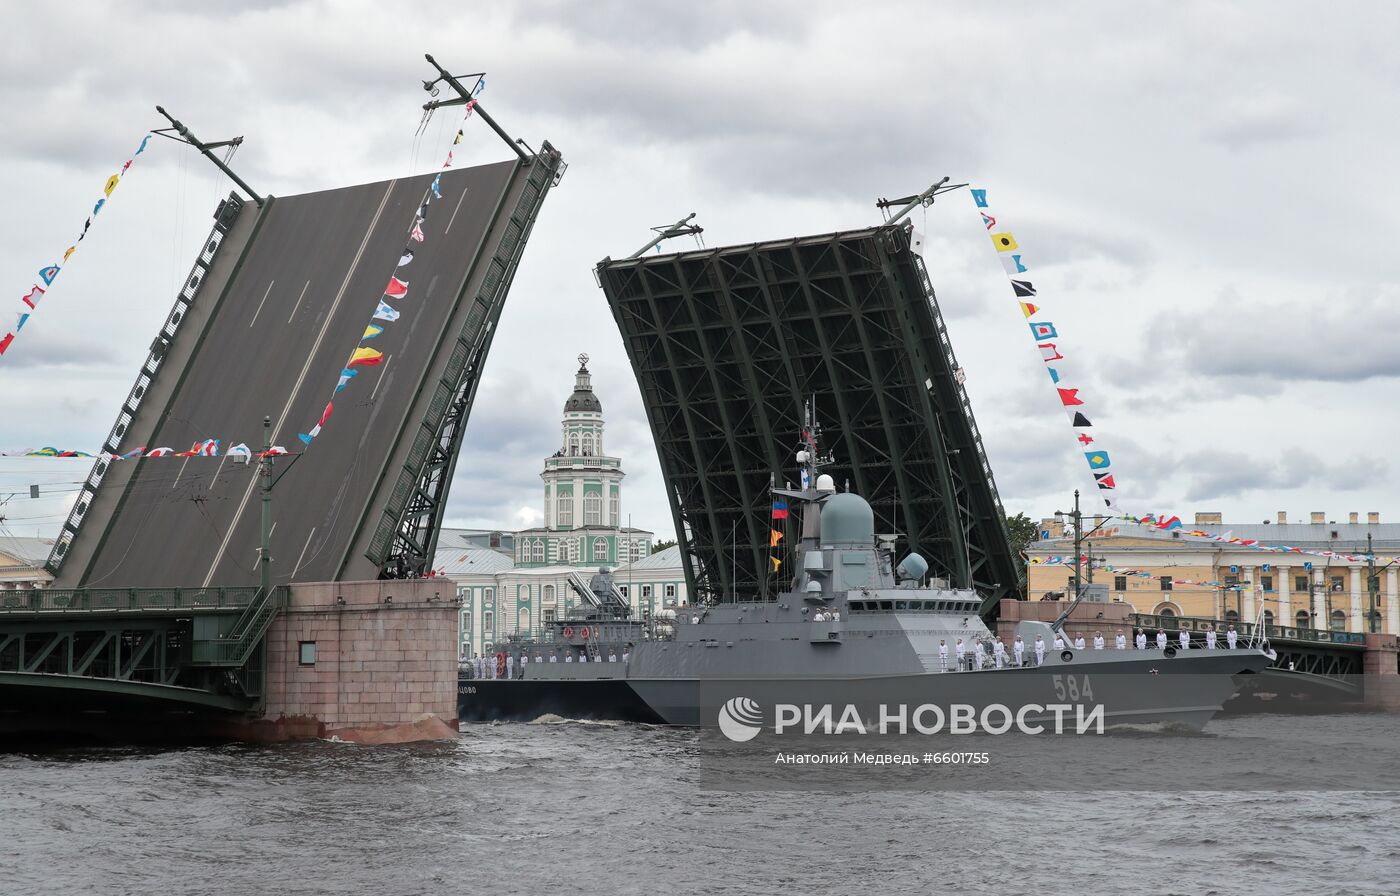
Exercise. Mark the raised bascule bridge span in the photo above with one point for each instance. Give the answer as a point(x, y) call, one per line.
point(157, 594)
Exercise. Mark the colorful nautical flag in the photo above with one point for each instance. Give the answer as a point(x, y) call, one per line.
point(1023, 288)
point(385, 312)
point(1004, 242)
point(48, 274)
point(406, 257)
point(774, 536)
point(1069, 397)
point(372, 331)
point(978, 196)
point(112, 184)
point(1048, 352)
point(1098, 460)
point(776, 563)
point(780, 510)
point(366, 356)
point(1045, 330)
point(1028, 309)
point(397, 288)
point(33, 296)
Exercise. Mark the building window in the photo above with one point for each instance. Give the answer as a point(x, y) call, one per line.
point(1120, 583)
point(646, 592)
point(1338, 583)
point(1266, 582)
point(1302, 619)
point(614, 510)
point(1268, 617)
point(1232, 616)
point(670, 592)
point(1231, 581)
point(488, 621)
point(549, 594)
point(1166, 611)
point(592, 509)
point(1339, 621)
point(600, 549)
point(538, 552)
point(306, 653)
point(1300, 583)
point(587, 444)
point(622, 589)
point(1164, 583)
point(573, 444)
point(490, 594)
point(523, 621)
point(548, 616)
point(566, 510)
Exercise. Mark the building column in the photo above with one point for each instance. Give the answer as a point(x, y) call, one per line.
point(1356, 620)
point(1285, 597)
point(1247, 584)
point(1392, 601)
point(1319, 601)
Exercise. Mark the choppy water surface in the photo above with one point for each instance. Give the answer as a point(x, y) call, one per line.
point(617, 809)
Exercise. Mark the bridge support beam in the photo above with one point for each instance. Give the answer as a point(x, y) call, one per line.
point(1381, 677)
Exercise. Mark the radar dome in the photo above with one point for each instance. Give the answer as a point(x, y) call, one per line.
point(848, 520)
point(913, 568)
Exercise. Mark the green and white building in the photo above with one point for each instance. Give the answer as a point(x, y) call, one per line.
point(512, 582)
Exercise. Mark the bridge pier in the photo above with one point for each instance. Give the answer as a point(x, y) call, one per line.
point(367, 662)
point(1381, 678)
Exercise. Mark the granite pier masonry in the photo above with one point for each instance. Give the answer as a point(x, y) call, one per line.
point(369, 662)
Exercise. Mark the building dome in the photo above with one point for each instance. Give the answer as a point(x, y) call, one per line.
point(848, 520)
point(583, 398)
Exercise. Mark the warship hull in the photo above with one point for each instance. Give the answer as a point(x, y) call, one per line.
point(1183, 692)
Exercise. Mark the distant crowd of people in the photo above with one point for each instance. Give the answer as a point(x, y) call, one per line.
point(993, 653)
point(506, 665)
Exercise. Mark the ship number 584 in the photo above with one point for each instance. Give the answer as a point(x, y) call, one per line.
point(1068, 687)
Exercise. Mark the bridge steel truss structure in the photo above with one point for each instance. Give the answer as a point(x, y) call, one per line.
point(728, 344)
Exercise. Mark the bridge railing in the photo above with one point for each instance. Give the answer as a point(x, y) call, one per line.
point(117, 600)
point(235, 647)
point(1247, 630)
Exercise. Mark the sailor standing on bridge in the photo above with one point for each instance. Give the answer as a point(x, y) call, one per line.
point(999, 653)
point(1120, 641)
point(942, 655)
point(1184, 639)
point(1019, 648)
point(1231, 636)
point(1141, 640)
point(1210, 639)
point(1079, 641)
point(1161, 640)
point(1059, 641)
point(961, 650)
point(1039, 650)
point(510, 665)
point(524, 661)
point(1098, 641)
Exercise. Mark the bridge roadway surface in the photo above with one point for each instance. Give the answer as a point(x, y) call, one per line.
point(289, 320)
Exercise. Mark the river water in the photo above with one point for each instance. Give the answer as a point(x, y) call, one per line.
point(572, 807)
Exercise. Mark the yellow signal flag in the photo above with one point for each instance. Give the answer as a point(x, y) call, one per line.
point(774, 537)
point(776, 563)
point(111, 184)
point(1004, 242)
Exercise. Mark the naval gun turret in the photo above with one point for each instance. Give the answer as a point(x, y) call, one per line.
point(601, 595)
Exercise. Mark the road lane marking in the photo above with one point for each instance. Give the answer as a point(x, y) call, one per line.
point(380, 379)
point(454, 212)
point(302, 555)
point(260, 304)
point(310, 356)
point(298, 304)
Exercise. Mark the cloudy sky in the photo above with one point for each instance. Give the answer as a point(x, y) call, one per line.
point(1204, 192)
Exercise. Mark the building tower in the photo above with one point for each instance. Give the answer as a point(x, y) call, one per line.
point(583, 524)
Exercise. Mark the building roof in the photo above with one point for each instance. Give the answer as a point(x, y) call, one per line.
point(666, 558)
point(1350, 538)
point(583, 398)
point(24, 551)
point(471, 561)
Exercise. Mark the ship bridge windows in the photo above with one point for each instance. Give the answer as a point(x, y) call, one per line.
point(887, 605)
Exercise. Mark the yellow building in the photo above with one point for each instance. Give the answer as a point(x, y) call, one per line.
point(22, 562)
point(1172, 573)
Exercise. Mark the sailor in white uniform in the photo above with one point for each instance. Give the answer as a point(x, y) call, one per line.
point(999, 653)
point(583, 657)
point(569, 657)
point(1018, 647)
point(510, 665)
point(1059, 642)
point(1098, 641)
point(1141, 640)
point(626, 656)
point(524, 661)
point(612, 657)
point(1210, 639)
point(1161, 640)
point(961, 649)
point(1231, 636)
point(1039, 650)
point(1184, 639)
point(1079, 642)
point(1120, 641)
point(554, 657)
point(979, 654)
point(942, 655)
point(477, 669)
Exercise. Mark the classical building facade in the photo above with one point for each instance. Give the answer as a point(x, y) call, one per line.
point(22, 563)
point(583, 522)
point(517, 582)
point(1171, 573)
point(499, 599)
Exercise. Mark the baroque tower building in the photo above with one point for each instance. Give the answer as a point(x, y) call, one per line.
point(583, 522)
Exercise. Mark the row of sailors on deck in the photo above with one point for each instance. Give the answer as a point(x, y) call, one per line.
point(507, 666)
point(974, 655)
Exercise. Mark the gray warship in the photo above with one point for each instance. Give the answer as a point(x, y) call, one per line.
point(855, 628)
